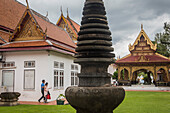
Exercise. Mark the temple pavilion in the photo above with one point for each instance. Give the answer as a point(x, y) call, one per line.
point(143, 58)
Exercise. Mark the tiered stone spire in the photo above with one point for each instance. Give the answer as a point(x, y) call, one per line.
point(94, 93)
point(94, 45)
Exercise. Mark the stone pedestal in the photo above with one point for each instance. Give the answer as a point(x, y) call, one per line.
point(95, 99)
point(9, 98)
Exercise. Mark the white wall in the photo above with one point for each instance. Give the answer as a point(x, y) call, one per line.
point(111, 69)
point(44, 69)
point(67, 60)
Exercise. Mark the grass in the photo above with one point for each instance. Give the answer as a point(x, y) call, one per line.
point(38, 109)
point(145, 102)
point(135, 102)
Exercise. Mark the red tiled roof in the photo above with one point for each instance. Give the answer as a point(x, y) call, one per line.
point(55, 32)
point(64, 48)
point(5, 36)
point(151, 58)
point(24, 44)
point(10, 13)
point(77, 26)
point(35, 44)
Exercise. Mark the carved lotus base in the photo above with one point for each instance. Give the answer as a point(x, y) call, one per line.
point(9, 103)
point(95, 99)
point(9, 98)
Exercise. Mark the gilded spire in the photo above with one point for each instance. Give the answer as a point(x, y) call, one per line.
point(67, 13)
point(61, 10)
point(141, 26)
point(27, 4)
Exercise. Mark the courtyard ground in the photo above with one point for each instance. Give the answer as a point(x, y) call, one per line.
point(135, 102)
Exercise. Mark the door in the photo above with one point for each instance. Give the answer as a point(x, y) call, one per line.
point(8, 80)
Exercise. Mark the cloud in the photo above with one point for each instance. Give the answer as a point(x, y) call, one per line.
point(124, 17)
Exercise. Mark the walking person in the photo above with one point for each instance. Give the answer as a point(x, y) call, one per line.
point(42, 90)
point(46, 92)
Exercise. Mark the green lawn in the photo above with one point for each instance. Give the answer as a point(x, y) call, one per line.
point(135, 102)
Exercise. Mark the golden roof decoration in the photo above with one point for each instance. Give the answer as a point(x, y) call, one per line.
point(142, 33)
point(27, 4)
point(27, 28)
point(142, 58)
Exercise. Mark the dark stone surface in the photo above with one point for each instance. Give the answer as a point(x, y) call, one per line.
point(94, 93)
point(9, 98)
point(94, 36)
point(95, 99)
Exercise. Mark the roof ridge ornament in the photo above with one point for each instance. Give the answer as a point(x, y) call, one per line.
point(27, 4)
point(46, 15)
point(45, 33)
point(141, 26)
point(61, 10)
point(67, 13)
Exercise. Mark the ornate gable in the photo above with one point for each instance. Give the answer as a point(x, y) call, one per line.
point(68, 25)
point(27, 28)
point(62, 21)
point(142, 45)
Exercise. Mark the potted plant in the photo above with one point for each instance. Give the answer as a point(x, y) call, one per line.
point(60, 99)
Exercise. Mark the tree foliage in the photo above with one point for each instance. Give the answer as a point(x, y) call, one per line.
point(115, 75)
point(163, 41)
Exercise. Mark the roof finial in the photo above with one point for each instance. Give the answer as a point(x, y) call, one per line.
point(46, 14)
point(45, 33)
point(27, 4)
point(67, 13)
point(141, 26)
point(61, 10)
point(46, 30)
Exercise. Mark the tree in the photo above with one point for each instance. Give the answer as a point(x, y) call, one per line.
point(163, 41)
point(115, 75)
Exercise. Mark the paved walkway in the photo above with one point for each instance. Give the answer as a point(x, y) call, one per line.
point(41, 103)
point(146, 88)
point(150, 88)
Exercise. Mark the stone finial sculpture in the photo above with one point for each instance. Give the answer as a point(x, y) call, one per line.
point(94, 93)
point(9, 98)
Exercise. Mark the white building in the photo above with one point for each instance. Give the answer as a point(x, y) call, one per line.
point(35, 52)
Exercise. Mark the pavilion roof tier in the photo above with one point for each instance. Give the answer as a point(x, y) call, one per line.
point(34, 32)
point(130, 59)
point(36, 45)
point(142, 43)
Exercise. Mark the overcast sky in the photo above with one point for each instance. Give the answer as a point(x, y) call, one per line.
point(124, 16)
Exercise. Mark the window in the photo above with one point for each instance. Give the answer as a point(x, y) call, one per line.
point(76, 67)
point(56, 64)
point(29, 79)
point(58, 75)
point(61, 65)
point(8, 64)
point(74, 72)
point(72, 67)
point(61, 78)
point(29, 64)
point(7, 78)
